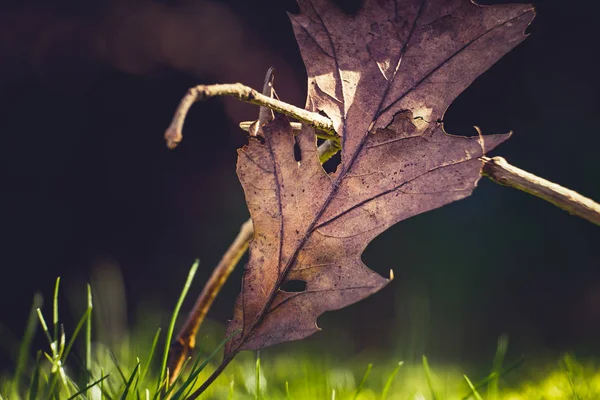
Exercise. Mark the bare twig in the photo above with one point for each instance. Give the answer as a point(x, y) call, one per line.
point(246, 125)
point(500, 171)
point(265, 114)
point(173, 134)
point(185, 342)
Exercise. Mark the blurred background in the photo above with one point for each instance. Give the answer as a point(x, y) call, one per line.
point(89, 188)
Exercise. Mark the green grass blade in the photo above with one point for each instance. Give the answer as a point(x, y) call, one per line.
point(361, 385)
point(25, 347)
point(59, 357)
point(103, 392)
point(118, 367)
point(186, 287)
point(473, 390)
point(190, 387)
point(159, 389)
point(130, 382)
point(390, 380)
point(137, 377)
point(288, 396)
point(177, 378)
point(573, 372)
point(500, 373)
point(88, 331)
point(257, 376)
point(35, 377)
point(52, 391)
point(429, 376)
point(492, 389)
point(44, 326)
point(230, 393)
point(194, 366)
point(55, 309)
point(150, 356)
point(61, 343)
point(88, 387)
point(80, 323)
point(197, 371)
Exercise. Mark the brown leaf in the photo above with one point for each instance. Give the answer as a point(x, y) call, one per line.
point(385, 77)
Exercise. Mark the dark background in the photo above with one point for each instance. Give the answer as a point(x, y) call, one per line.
point(87, 89)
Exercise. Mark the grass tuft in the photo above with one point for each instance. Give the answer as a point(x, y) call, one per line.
point(75, 367)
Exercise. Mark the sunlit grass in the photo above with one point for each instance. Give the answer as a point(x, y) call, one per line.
point(77, 365)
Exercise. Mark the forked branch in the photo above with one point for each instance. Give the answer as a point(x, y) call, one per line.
point(173, 135)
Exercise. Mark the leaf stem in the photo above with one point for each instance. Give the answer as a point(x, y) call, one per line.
point(213, 376)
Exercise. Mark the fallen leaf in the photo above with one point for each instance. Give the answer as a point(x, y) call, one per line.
point(385, 76)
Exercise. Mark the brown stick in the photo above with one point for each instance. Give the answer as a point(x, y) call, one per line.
point(185, 342)
point(173, 134)
point(500, 171)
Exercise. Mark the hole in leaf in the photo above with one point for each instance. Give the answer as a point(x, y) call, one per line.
point(349, 7)
point(294, 286)
point(297, 151)
point(331, 165)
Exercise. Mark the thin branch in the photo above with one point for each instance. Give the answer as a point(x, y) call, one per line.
point(500, 171)
point(185, 342)
point(246, 125)
point(173, 134)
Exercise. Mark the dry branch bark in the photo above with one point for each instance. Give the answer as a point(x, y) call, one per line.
point(501, 172)
point(173, 134)
point(185, 342)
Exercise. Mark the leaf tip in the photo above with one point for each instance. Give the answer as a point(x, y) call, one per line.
point(489, 142)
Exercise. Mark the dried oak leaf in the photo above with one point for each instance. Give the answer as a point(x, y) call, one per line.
point(385, 76)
